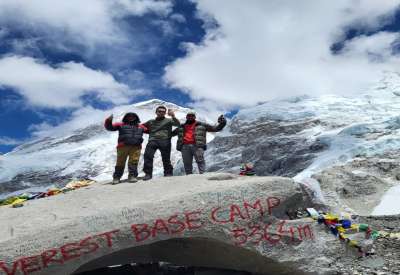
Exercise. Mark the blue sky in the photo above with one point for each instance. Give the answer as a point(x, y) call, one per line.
point(211, 55)
point(17, 117)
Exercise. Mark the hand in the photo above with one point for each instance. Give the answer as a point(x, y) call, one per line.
point(221, 119)
point(171, 113)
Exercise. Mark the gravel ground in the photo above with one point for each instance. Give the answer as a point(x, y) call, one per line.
point(385, 256)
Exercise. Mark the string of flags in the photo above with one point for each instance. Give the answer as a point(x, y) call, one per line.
point(18, 201)
point(349, 232)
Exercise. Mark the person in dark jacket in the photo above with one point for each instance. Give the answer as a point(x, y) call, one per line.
point(192, 141)
point(130, 140)
point(160, 134)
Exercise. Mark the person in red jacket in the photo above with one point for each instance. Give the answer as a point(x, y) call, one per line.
point(129, 146)
point(192, 140)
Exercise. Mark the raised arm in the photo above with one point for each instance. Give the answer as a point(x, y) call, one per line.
point(221, 124)
point(110, 126)
point(175, 121)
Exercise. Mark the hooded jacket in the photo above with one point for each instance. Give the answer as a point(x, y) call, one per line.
point(129, 132)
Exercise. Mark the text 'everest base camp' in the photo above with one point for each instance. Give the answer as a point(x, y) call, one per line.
point(321, 197)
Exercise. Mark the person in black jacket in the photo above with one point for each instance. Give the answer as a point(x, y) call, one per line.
point(130, 140)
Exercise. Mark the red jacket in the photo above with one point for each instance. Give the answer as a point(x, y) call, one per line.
point(188, 136)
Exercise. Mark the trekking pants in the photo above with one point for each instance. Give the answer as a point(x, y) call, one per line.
point(127, 151)
point(188, 152)
point(164, 145)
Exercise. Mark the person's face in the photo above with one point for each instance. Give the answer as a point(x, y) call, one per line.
point(190, 118)
point(161, 112)
point(130, 118)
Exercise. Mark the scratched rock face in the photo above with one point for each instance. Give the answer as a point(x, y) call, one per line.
point(228, 221)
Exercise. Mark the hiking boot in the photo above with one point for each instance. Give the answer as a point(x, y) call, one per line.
point(132, 170)
point(132, 179)
point(147, 177)
point(115, 181)
point(118, 172)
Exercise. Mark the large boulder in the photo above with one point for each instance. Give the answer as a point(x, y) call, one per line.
point(213, 220)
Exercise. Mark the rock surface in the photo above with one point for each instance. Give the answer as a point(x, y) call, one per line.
point(385, 259)
point(275, 147)
point(358, 186)
point(213, 220)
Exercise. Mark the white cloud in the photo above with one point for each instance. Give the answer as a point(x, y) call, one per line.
point(91, 22)
point(283, 48)
point(80, 118)
point(61, 86)
point(10, 141)
point(211, 108)
point(178, 17)
point(140, 7)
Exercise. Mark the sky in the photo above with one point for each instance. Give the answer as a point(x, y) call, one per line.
point(65, 61)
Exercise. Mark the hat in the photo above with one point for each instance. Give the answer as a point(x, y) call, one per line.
point(193, 113)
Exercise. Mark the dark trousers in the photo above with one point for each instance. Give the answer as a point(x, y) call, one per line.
point(188, 152)
point(152, 146)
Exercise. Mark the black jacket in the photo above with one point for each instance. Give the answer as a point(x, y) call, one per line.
point(130, 133)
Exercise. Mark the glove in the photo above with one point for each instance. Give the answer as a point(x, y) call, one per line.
point(221, 119)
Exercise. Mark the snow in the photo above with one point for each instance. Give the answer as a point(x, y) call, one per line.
point(348, 122)
point(389, 204)
point(94, 149)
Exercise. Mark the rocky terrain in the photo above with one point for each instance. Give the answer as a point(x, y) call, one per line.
point(274, 147)
point(359, 185)
point(385, 256)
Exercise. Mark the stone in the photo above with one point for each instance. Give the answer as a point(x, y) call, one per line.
point(238, 224)
point(373, 262)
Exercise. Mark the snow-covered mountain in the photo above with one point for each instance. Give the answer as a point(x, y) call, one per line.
point(329, 143)
point(303, 137)
point(305, 134)
point(87, 152)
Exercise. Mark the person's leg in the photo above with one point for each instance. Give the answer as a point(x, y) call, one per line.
point(187, 158)
point(122, 154)
point(199, 157)
point(149, 152)
point(134, 154)
point(165, 149)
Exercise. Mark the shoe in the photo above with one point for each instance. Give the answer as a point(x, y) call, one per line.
point(132, 179)
point(115, 181)
point(147, 177)
point(168, 175)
